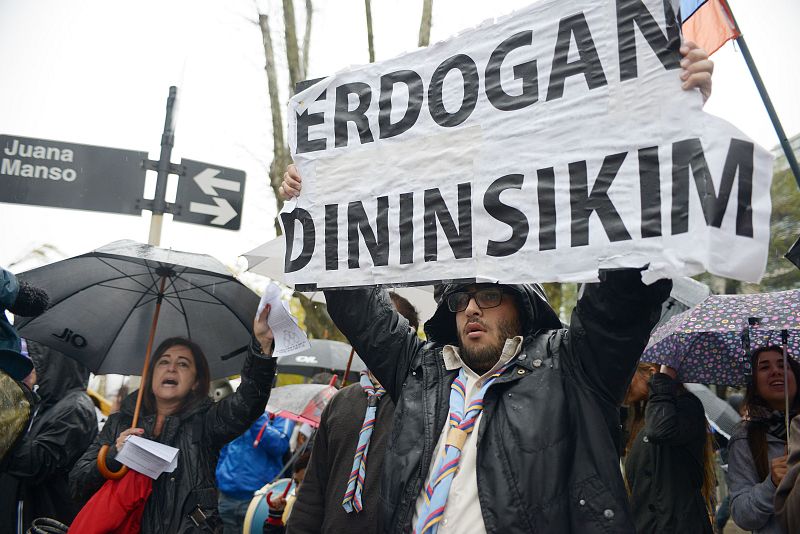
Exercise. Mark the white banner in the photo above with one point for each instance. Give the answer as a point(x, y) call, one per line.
point(543, 146)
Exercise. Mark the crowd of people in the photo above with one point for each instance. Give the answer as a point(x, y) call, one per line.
point(500, 420)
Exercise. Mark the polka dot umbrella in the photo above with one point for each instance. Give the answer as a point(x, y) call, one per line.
point(711, 343)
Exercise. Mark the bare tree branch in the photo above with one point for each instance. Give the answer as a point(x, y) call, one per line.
point(425, 23)
point(292, 50)
point(370, 43)
point(307, 38)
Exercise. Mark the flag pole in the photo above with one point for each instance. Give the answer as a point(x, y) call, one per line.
point(773, 116)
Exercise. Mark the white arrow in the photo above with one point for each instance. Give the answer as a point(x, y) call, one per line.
point(223, 211)
point(208, 181)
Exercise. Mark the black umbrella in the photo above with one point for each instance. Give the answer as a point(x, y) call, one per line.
point(109, 304)
point(102, 306)
point(324, 355)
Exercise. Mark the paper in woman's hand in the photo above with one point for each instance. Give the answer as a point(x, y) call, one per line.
point(289, 338)
point(148, 457)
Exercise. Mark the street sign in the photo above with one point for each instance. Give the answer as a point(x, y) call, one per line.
point(210, 195)
point(69, 175)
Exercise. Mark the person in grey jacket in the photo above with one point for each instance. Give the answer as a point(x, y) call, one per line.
point(757, 449)
point(787, 498)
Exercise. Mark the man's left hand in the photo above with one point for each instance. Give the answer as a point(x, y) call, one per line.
point(696, 69)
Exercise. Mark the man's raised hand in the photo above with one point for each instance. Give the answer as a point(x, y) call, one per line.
point(290, 187)
point(696, 69)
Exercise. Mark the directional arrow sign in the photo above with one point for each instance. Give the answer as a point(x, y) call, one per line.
point(223, 212)
point(208, 182)
point(210, 195)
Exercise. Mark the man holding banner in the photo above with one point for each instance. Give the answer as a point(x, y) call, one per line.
point(505, 421)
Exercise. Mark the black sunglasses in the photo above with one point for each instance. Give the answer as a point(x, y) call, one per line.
point(490, 297)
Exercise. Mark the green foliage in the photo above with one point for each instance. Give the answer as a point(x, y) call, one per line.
point(780, 274)
point(784, 229)
point(562, 298)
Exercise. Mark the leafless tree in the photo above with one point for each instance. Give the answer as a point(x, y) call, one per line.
point(370, 43)
point(425, 23)
point(317, 322)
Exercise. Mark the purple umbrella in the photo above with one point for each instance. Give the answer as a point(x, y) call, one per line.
point(709, 343)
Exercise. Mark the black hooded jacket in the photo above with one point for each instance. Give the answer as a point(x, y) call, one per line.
point(199, 431)
point(549, 434)
point(63, 427)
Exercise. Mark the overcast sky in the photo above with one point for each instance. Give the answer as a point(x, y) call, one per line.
point(98, 72)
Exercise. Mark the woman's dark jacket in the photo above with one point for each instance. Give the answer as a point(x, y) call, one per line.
point(547, 443)
point(65, 424)
point(664, 467)
point(318, 508)
point(199, 432)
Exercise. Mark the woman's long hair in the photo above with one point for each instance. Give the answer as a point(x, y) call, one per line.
point(203, 376)
point(754, 406)
point(635, 424)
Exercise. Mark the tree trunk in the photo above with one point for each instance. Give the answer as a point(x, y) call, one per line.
point(370, 43)
point(318, 323)
point(307, 38)
point(292, 49)
point(425, 23)
point(280, 156)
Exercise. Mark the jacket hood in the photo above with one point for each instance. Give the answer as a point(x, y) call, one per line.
point(56, 374)
point(12, 360)
point(535, 312)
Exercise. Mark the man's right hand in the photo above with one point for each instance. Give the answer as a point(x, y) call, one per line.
point(778, 469)
point(290, 187)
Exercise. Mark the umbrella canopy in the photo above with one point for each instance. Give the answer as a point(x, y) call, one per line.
point(710, 343)
point(103, 303)
point(720, 415)
point(267, 260)
point(324, 355)
point(301, 402)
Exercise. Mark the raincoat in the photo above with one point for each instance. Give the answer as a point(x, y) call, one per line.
point(64, 426)
point(548, 440)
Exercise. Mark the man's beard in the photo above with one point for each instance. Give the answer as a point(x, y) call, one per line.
point(481, 360)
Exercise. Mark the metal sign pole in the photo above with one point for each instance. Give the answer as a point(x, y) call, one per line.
point(164, 166)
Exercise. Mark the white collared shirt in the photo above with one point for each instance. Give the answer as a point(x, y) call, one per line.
point(462, 513)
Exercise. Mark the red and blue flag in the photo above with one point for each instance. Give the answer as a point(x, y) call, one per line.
point(708, 23)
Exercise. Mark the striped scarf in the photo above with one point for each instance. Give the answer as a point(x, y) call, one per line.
point(355, 484)
point(461, 426)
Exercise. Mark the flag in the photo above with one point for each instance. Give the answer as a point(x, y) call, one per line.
point(708, 23)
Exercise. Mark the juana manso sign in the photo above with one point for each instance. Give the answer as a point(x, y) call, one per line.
point(70, 175)
point(545, 146)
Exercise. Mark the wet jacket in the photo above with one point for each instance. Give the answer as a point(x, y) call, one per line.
point(787, 498)
point(752, 498)
point(63, 427)
point(664, 467)
point(244, 468)
point(199, 432)
point(547, 443)
point(318, 508)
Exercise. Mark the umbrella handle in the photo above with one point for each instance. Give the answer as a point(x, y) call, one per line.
point(107, 473)
point(101, 456)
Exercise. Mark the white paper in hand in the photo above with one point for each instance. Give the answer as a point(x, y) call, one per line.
point(148, 457)
point(289, 338)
